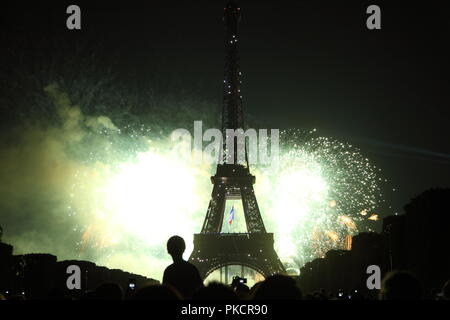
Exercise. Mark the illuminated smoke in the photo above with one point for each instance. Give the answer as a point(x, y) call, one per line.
point(117, 194)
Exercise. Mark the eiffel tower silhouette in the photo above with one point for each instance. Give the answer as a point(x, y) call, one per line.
point(212, 248)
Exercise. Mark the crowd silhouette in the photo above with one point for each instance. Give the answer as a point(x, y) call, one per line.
point(182, 281)
point(412, 250)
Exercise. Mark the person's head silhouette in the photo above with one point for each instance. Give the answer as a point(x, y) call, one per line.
point(277, 287)
point(446, 290)
point(400, 285)
point(176, 247)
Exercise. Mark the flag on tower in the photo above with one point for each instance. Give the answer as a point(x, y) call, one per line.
point(231, 218)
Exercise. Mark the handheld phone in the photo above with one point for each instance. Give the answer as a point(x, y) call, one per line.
point(132, 285)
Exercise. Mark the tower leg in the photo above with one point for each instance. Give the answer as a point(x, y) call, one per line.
point(216, 208)
point(226, 274)
point(251, 210)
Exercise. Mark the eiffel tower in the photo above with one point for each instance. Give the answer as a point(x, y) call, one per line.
point(212, 248)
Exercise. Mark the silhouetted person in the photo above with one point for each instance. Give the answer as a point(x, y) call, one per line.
point(278, 287)
point(109, 291)
point(215, 291)
point(446, 291)
point(89, 295)
point(254, 289)
point(181, 274)
point(157, 292)
point(400, 285)
point(242, 291)
point(57, 294)
point(357, 295)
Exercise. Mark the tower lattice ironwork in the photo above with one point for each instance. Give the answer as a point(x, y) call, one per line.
point(212, 248)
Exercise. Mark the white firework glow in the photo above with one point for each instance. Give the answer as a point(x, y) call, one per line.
point(311, 201)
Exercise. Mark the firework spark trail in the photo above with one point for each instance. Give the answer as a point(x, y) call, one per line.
point(311, 201)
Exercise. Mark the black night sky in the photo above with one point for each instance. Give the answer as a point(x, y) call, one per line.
point(305, 64)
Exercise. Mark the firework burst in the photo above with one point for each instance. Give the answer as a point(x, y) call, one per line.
point(311, 200)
